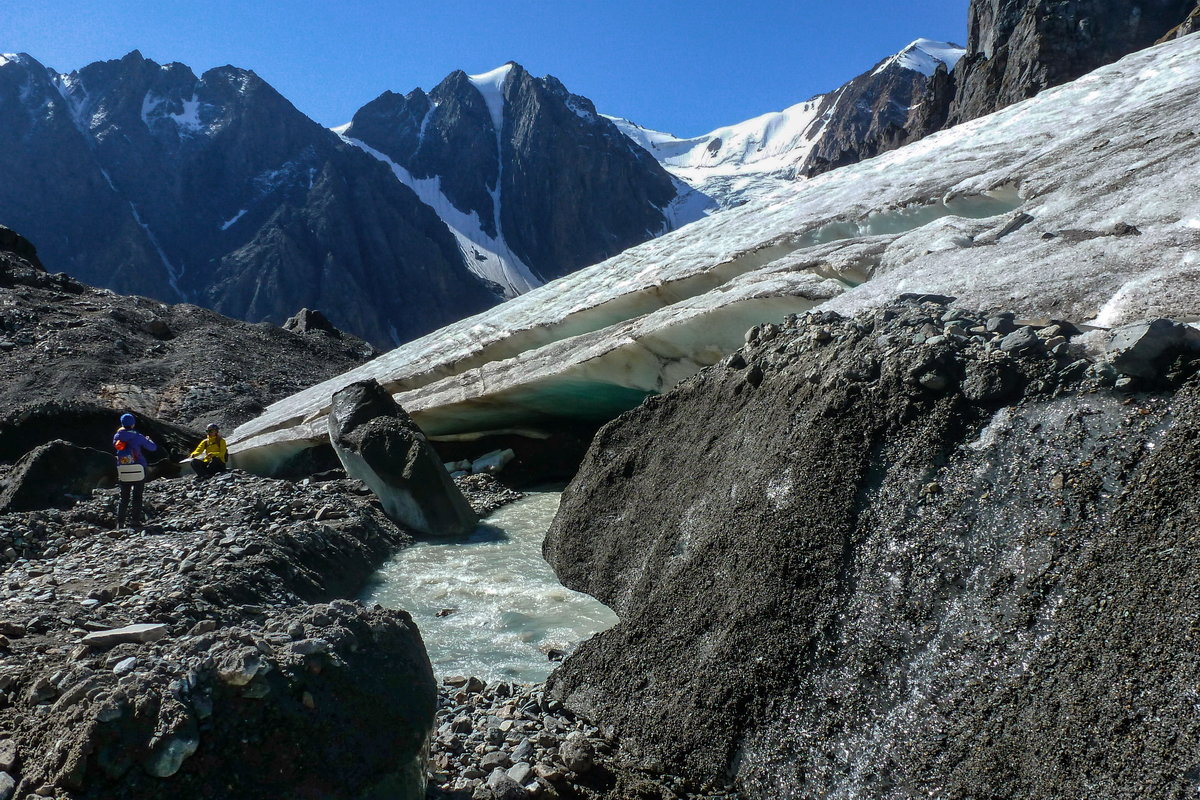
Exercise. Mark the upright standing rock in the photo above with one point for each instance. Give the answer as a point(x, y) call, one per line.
point(378, 443)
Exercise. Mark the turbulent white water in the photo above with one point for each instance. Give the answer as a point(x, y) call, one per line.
point(508, 609)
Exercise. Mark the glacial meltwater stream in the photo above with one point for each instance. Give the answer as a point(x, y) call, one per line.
point(490, 606)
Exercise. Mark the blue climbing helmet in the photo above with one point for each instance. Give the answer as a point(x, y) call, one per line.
point(128, 420)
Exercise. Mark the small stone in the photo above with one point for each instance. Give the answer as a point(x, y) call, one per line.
point(520, 772)
point(1125, 383)
point(169, 756)
point(1020, 339)
point(577, 753)
point(504, 787)
point(1002, 324)
point(8, 755)
point(548, 772)
point(933, 381)
point(125, 666)
point(145, 632)
point(523, 752)
point(309, 647)
point(499, 758)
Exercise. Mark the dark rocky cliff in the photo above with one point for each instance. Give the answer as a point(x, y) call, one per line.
point(1016, 48)
point(876, 112)
point(143, 178)
point(572, 190)
point(898, 556)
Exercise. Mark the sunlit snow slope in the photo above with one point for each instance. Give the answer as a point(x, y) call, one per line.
point(1028, 210)
point(765, 152)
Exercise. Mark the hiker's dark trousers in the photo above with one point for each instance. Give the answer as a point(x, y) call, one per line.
point(131, 491)
point(206, 469)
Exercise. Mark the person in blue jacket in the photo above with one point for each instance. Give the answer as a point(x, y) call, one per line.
point(131, 448)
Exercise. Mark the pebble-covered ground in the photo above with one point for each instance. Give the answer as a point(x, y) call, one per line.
point(220, 584)
point(510, 741)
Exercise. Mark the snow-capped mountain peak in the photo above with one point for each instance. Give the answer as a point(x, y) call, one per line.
point(924, 56)
point(491, 86)
point(855, 121)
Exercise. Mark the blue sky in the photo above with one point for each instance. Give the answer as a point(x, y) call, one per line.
point(681, 67)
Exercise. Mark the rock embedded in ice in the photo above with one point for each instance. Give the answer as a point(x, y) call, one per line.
point(493, 462)
point(1144, 349)
point(379, 444)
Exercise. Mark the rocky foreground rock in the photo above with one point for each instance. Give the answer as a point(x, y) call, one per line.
point(208, 655)
point(921, 552)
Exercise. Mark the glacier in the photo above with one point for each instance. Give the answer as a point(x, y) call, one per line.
point(1080, 204)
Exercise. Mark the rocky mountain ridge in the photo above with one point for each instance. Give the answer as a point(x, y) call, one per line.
point(879, 110)
point(526, 172)
point(146, 179)
point(1017, 48)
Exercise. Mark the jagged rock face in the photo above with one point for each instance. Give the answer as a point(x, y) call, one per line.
point(64, 342)
point(887, 558)
point(380, 445)
point(1190, 25)
point(570, 189)
point(145, 178)
point(1016, 48)
point(876, 112)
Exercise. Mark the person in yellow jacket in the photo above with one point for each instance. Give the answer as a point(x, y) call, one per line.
point(210, 455)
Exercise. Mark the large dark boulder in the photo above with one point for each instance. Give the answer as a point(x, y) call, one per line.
point(839, 575)
point(56, 474)
point(1146, 349)
point(380, 445)
point(13, 242)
